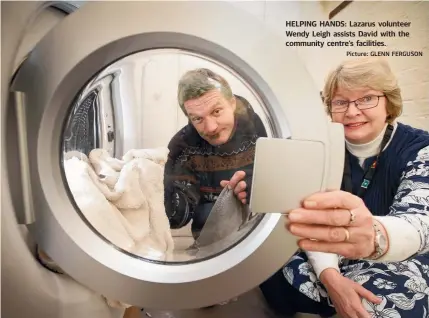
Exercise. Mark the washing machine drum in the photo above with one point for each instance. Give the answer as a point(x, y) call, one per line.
point(105, 130)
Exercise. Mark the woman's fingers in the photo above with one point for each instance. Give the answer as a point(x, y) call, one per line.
point(333, 222)
point(332, 200)
point(357, 309)
point(333, 217)
point(324, 233)
point(362, 313)
point(368, 295)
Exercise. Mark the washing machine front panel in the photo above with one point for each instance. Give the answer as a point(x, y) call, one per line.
point(78, 59)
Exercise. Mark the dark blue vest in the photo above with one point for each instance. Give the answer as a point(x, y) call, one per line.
point(403, 148)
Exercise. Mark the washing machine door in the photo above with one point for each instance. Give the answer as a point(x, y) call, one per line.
point(106, 78)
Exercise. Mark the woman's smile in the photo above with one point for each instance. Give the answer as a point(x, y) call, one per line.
point(354, 126)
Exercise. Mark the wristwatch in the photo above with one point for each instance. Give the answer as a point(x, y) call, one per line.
point(380, 242)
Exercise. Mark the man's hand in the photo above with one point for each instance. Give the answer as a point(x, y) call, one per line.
point(346, 294)
point(238, 185)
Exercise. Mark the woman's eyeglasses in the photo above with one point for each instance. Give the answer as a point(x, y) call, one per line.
point(366, 102)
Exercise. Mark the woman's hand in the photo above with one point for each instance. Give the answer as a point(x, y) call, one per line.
point(334, 222)
point(346, 294)
point(238, 185)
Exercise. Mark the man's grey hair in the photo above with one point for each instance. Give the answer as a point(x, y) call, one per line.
point(195, 83)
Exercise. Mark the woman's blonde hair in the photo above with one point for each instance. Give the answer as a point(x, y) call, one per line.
point(365, 72)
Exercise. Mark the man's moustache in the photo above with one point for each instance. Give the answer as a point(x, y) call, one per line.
point(209, 136)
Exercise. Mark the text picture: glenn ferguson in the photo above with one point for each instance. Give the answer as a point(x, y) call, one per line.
point(385, 53)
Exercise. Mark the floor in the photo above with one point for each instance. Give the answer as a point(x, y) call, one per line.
point(249, 305)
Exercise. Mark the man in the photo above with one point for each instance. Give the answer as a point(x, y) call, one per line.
point(215, 149)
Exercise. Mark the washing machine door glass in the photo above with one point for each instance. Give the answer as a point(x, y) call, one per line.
point(136, 123)
point(147, 145)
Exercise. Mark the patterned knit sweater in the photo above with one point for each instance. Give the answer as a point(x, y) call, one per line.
point(195, 168)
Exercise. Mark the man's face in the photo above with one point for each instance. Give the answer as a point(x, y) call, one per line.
point(212, 115)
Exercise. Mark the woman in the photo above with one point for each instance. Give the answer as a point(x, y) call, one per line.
point(378, 222)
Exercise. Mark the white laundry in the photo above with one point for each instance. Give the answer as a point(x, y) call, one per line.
point(106, 167)
point(89, 195)
point(126, 201)
point(158, 155)
point(142, 203)
point(123, 199)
